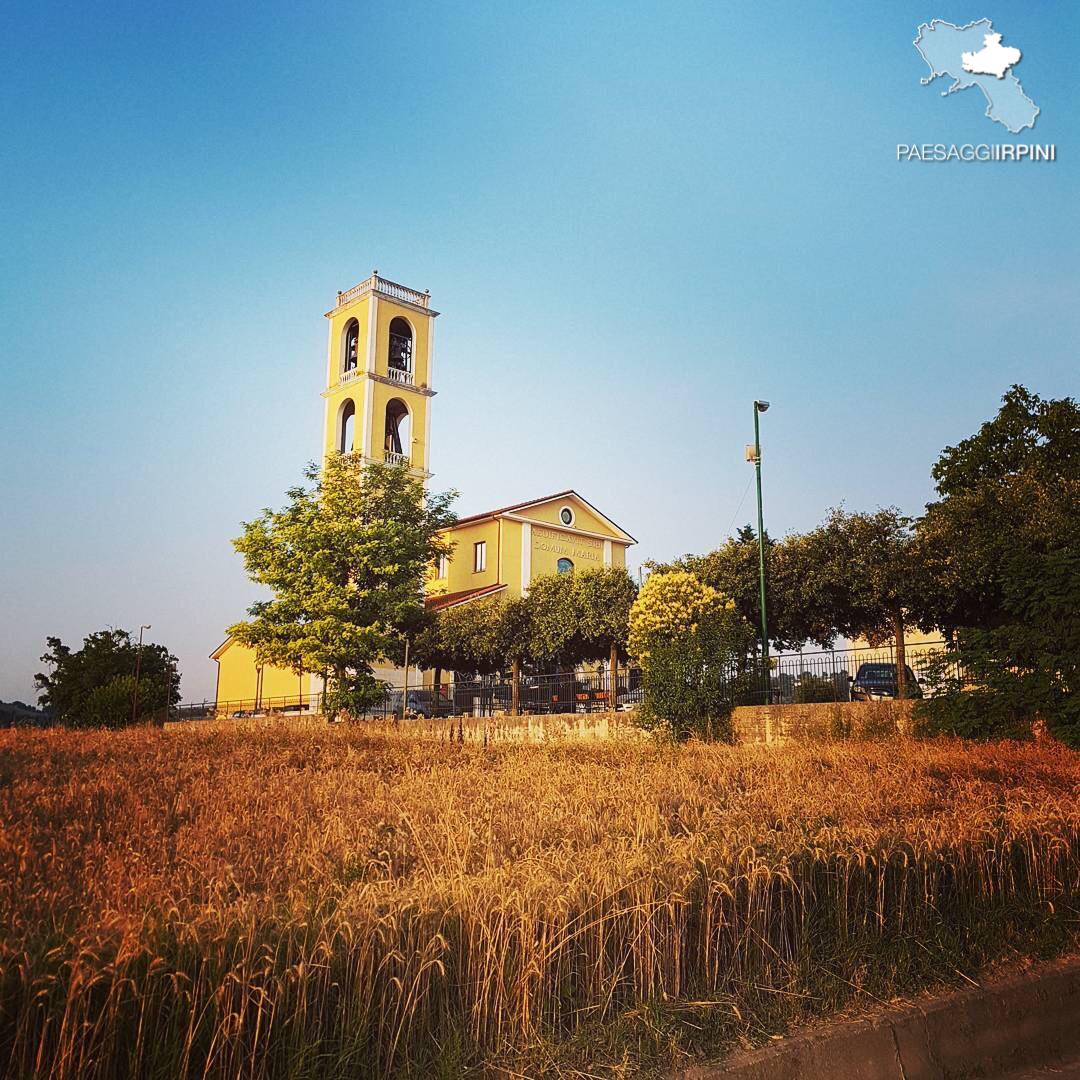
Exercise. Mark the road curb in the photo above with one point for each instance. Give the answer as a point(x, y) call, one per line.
point(1022, 1020)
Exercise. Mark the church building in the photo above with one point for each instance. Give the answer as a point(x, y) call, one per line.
point(380, 363)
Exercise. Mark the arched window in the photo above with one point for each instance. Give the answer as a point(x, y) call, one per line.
point(400, 356)
point(398, 438)
point(352, 345)
point(346, 427)
point(564, 566)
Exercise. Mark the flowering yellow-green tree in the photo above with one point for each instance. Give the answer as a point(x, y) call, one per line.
point(671, 605)
point(685, 635)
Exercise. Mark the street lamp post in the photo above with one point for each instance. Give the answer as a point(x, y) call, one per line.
point(138, 662)
point(760, 407)
point(170, 674)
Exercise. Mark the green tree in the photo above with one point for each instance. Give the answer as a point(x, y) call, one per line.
point(566, 620)
point(346, 561)
point(1002, 550)
point(493, 634)
point(602, 600)
point(513, 640)
point(859, 574)
point(556, 639)
point(463, 639)
point(732, 569)
point(94, 686)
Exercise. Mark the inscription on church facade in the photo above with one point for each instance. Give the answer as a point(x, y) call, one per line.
point(576, 547)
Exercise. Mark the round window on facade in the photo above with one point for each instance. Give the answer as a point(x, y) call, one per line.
point(564, 566)
point(566, 516)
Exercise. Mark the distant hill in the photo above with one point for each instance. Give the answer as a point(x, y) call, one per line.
point(19, 714)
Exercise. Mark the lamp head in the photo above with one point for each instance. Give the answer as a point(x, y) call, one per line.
point(761, 406)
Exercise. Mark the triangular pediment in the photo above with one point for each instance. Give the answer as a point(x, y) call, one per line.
point(584, 516)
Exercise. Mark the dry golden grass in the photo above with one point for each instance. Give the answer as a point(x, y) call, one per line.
point(313, 901)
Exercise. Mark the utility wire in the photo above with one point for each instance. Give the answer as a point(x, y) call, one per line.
point(741, 501)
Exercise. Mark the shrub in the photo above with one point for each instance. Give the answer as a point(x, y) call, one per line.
point(686, 636)
point(686, 691)
point(814, 688)
point(970, 714)
point(353, 698)
point(108, 706)
point(970, 699)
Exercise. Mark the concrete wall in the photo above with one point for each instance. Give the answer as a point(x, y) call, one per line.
point(771, 725)
point(777, 724)
point(481, 729)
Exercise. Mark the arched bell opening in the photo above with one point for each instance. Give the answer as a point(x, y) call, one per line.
point(350, 346)
point(397, 444)
point(400, 353)
point(347, 427)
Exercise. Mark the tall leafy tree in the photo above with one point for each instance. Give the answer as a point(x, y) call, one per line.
point(1002, 549)
point(859, 573)
point(493, 634)
point(463, 639)
point(555, 623)
point(345, 560)
point(602, 601)
point(94, 686)
point(1006, 495)
point(733, 570)
point(513, 637)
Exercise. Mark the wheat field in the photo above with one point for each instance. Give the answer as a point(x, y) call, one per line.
point(307, 901)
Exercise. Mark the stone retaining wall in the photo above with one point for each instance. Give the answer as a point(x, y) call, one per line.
point(754, 724)
point(506, 728)
point(775, 724)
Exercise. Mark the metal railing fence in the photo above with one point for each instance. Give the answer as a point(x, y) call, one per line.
point(792, 678)
point(846, 675)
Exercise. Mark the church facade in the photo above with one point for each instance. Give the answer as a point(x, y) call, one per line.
point(380, 362)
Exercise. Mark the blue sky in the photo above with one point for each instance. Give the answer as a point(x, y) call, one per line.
point(635, 218)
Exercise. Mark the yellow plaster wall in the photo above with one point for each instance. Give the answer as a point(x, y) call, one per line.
point(548, 545)
point(238, 678)
point(361, 387)
point(510, 570)
point(460, 575)
point(913, 639)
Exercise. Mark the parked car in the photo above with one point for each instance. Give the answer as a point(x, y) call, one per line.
point(629, 700)
point(877, 682)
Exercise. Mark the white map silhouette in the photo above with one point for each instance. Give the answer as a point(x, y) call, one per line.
point(994, 59)
point(942, 46)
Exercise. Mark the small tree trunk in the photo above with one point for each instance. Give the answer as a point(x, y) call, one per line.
point(339, 681)
point(613, 699)
point(901, 654)
point(515, 687)
point(437, 692)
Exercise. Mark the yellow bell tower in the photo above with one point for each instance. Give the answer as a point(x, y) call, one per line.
point(378, 374)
